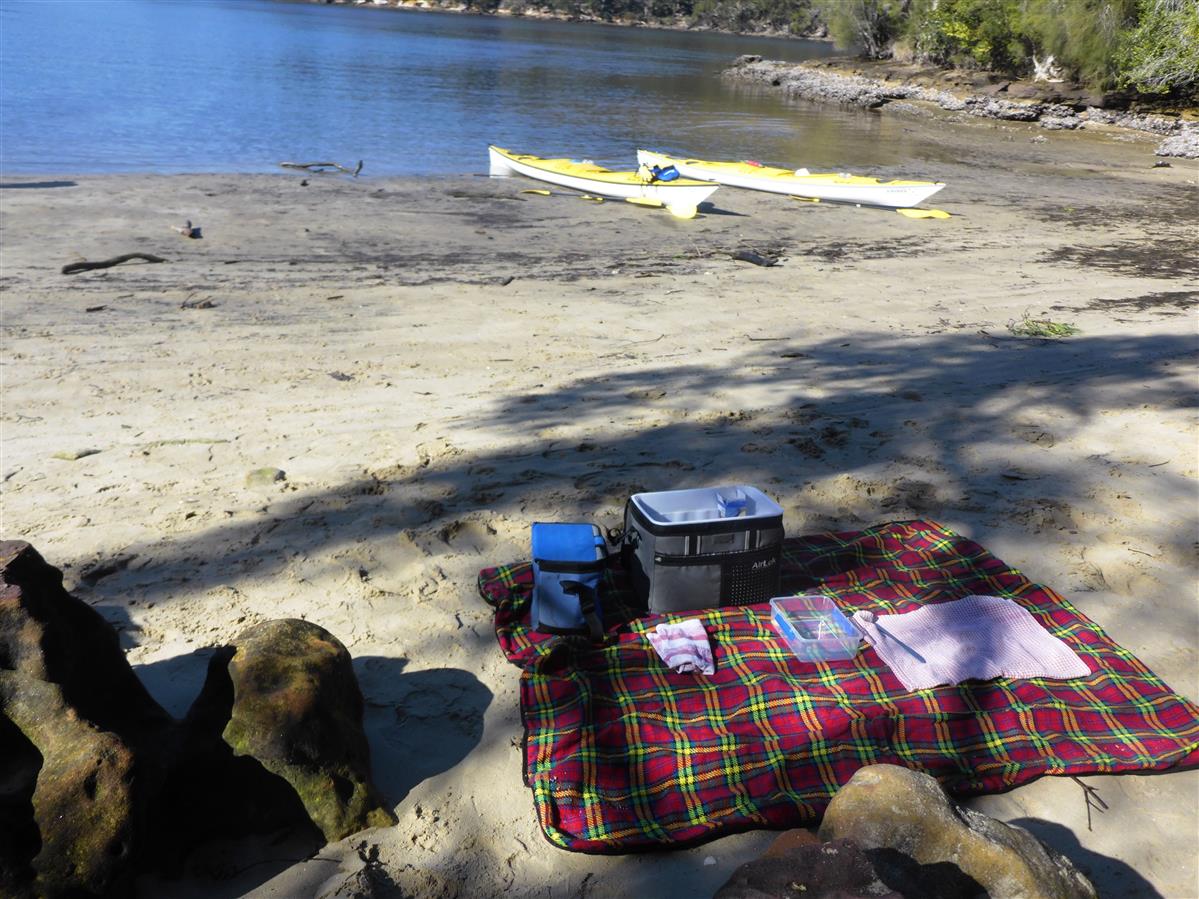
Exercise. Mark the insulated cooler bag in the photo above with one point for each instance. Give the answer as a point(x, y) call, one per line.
point(568, 563)
point(699, 549)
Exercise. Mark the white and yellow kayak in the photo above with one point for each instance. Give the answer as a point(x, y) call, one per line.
point(680, 197)
point(839, 188)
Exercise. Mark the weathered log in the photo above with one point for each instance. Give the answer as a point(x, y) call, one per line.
point(754, 257)
point(319, 167)
point(74, 267)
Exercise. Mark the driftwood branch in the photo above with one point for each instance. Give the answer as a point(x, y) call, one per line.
point(74, 267)
point(754, 257)
point(319, 167)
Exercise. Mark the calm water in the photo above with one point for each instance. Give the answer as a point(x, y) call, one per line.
point(240, 85)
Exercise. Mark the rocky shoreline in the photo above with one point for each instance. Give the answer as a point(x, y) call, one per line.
point(900, 87)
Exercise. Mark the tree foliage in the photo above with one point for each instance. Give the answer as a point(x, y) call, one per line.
point(748, 16)
point(1161, 53)
point(1083, 35)
point(966, 33)
point(865, 25)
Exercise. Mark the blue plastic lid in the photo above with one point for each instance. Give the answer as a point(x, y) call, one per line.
point(567, 542)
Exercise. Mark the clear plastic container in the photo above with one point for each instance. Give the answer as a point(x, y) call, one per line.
point(814, 628)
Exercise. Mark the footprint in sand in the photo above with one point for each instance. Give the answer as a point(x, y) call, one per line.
point(468, 535)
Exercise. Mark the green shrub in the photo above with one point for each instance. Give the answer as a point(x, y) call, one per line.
point(967, 33)
point(1083, 35)
point(1161, 54)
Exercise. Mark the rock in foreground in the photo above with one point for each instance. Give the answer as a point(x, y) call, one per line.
point(72, 717)
point(892, 833)
point(297, 709)
point(98, 783)
point(899, 812)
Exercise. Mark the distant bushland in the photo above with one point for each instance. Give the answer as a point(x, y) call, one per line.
point(1148, 46)
point(1151, 46)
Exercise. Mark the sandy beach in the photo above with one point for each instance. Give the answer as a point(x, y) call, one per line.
point(436, 363)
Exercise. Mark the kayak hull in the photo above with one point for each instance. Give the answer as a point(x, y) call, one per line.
point(834, 187)
point(680, 194)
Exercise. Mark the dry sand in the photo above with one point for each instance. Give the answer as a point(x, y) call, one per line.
point(360, 335)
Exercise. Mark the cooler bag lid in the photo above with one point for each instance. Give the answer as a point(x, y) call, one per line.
point(706, 510)
point(556, 543)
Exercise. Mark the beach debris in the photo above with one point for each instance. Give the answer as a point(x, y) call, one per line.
point(1090, 794)
point(188, 230)
point(297, 709)
point(202, 303)
point(340, 376)
point(265, 477)
point(941, 848)
point(744, 255)
point(72, 455)
point(506, 280)
point(1033, 327)
point(74, 267)
point(320, 168)
point(99, 308)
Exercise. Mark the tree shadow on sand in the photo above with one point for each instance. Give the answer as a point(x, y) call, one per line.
point(890, 416)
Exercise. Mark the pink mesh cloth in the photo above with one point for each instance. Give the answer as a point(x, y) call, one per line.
point(976, 637)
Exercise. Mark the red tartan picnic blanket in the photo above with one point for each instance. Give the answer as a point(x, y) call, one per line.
point(623, 754)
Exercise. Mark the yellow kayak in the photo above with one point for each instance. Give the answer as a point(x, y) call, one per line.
point(837, 187)
point(680, 197)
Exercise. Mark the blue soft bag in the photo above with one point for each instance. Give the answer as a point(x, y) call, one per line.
point(568, 566)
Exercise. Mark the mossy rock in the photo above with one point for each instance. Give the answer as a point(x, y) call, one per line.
point(297, 709)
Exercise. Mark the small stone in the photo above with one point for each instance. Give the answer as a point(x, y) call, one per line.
point(265, 477)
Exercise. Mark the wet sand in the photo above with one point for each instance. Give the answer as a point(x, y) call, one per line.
point(435, 363)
